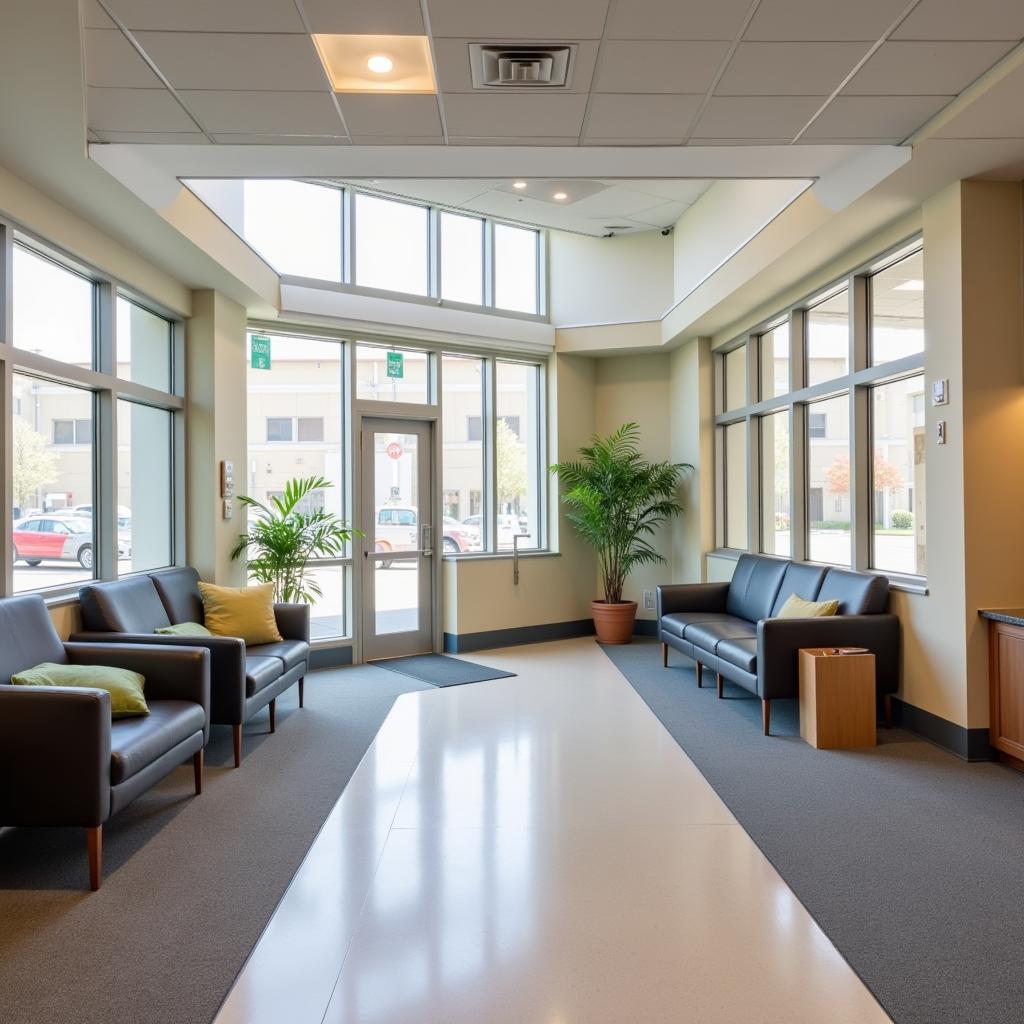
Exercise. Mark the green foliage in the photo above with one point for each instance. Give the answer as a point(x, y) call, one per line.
point(616, 500)
point(281, 540)
point(511, 464)
point(34, 466)
point(901, 520)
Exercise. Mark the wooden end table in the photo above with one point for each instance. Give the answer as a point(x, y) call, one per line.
point(837, 698)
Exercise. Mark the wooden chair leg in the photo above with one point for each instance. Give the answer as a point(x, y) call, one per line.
point(237, 736)
point(700, 675)
point(273, 715)
point(720, 684)
point(94, 843)
point(664, 655)
point(766, 715)
point(887, 710)
point(197, 771)
point(302, 692)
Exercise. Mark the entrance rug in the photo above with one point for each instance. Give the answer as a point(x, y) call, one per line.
point(909, 858)
point(440, 670)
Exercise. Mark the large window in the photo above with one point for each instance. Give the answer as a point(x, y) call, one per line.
point(840, 462)
point(392, 245)
point(516, 261)
point(91, 433)
point(392, 374)
point(462, 405)
point(462, 259)
point(517, 453)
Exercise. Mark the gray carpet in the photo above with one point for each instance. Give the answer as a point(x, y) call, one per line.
point(189, 881)
point(910, 859)
point(438, 670)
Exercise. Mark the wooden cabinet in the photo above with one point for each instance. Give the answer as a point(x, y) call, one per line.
point(1006, 688)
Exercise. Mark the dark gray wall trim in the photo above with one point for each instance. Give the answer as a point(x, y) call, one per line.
point(459, 643)
point(646, 627)
point(970, 744)
point(330, 657)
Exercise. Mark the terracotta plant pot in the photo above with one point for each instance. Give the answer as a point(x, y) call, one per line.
point(614, 622)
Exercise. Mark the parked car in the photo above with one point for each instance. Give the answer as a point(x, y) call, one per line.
point(397, 529)
point(59, 538)
point(508, 527)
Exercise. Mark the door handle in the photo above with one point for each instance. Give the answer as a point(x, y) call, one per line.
point(425, 539)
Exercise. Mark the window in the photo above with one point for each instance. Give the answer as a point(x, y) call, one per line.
point(144, 487)
point(295, 226)
point(897, 310)
point(279, 429)
point(735, 379)
point(735, 439)
point(392, 245)
point(817, 424)
point(898, 450)
point(828, 471)
point(462, 403)
point(828, 339)
point(518, 471)
point(310, 429)
point(143, 346)
point(515, 268)
point(72, 431)
point(776, 508)
point(462, 258)
point(392, 375)
point(775, 361)
point(54, 309)
point(512, 422)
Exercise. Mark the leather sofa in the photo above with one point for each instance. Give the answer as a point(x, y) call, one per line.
point(733, 629)
point(242, 681)
point(63, 761)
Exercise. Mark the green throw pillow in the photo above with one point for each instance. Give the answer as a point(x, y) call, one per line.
point(123, 685)
point(797, 608)
point(184, 629)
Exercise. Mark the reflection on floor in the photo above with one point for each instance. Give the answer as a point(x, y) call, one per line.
point(538, 849)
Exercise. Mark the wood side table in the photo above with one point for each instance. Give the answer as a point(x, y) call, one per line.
point(837, 698)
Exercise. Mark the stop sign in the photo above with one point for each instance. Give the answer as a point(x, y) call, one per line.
point(394, 450)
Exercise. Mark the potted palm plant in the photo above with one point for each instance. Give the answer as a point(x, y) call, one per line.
point(615, 501)
point(282, 540)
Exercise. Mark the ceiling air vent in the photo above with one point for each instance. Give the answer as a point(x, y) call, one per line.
point(517, 67)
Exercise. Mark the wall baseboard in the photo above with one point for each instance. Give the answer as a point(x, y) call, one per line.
point(646, 627)
point(460, 643)
point(970, 744)
point(330, 657)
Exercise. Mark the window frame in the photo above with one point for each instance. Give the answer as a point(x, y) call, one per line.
point(858, 383)
point(106, 389)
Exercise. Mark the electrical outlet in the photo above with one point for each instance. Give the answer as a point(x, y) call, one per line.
point(648, 599)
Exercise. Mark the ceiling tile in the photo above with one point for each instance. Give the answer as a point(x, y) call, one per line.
point(453, 70)
point(875, 117)
point(156, 138)
point(678, 19)
point(93, 16)
point(446, 191)
point(397, 140)
point(365, 17)
point(244, 139)
point(661, 215)
point(686, 191)
point(955, 19)
point(661, 143)
point(632, 117)
point(912, 68)
point(658, 67)
point(207, 16)
point(526, 19)
point(220, 60)
point(522, 115)
point(823, 19)
point(137, 110)
point(996, 114)
point(789, 69)
point(512, 140)
point(612, 202)
point(752, 117)
point(292, 113)
point(698, 142)
point(390, 115)
point(892, 140)
point(111, 61)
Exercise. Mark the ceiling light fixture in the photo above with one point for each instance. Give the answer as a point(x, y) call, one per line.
point(379, 64)
point(560, 195)
point(519, 184)
point(376, 64)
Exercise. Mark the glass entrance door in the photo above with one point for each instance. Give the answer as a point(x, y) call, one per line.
point(398, 549)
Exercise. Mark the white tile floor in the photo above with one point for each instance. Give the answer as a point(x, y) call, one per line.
point(538, 850)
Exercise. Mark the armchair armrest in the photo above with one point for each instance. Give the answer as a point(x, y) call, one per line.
point(54, 755)
point(779, 640)
point(172, 673)
point(292, 621)
point(692, 597)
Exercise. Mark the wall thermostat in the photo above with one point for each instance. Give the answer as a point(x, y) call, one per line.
point(940, 392)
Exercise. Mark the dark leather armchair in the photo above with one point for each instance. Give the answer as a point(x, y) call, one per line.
point(62, 759)
point(243, 680)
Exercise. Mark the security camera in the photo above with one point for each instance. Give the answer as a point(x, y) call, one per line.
point(666, 231)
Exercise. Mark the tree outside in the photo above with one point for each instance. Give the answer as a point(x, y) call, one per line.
point(33, 466)
point(887, 477)
point(511, 465)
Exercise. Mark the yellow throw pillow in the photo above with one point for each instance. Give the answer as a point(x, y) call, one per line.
point(246, 612)
point(124, 686)
point(797, 608)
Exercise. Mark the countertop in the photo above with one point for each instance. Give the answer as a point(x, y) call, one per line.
point(1013, 616)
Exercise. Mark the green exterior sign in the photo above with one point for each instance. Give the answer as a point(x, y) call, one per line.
point(396, 365)
point(259, 352)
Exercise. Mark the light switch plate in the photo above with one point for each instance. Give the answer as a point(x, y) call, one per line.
point(940, 392)
point(229, 510)
point(940, 432)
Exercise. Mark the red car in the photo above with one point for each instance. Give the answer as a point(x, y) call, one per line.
point(54, 538)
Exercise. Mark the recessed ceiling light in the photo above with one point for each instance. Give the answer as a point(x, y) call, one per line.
point(519, 184)
point(560, 195)
point(397, 64)
point(379, 64)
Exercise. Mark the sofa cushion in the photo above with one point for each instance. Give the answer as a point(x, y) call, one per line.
point(755, 585)
point(802, 580)
point(740, 651)
point(122, 606)
point(797, 608)
point(858, 593)
point(707, 635)
point(246, 612)
point(184, 629)
point(138, 742)
point(27, 635)
point(291, 652)
point(261, 672)
point(179, 594)
point(676, 622)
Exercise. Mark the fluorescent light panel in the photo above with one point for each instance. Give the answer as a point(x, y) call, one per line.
point(346, 60)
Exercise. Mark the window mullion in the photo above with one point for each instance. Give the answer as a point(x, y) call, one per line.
point(7, 408)
point(861, 487)
point(489, 516)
